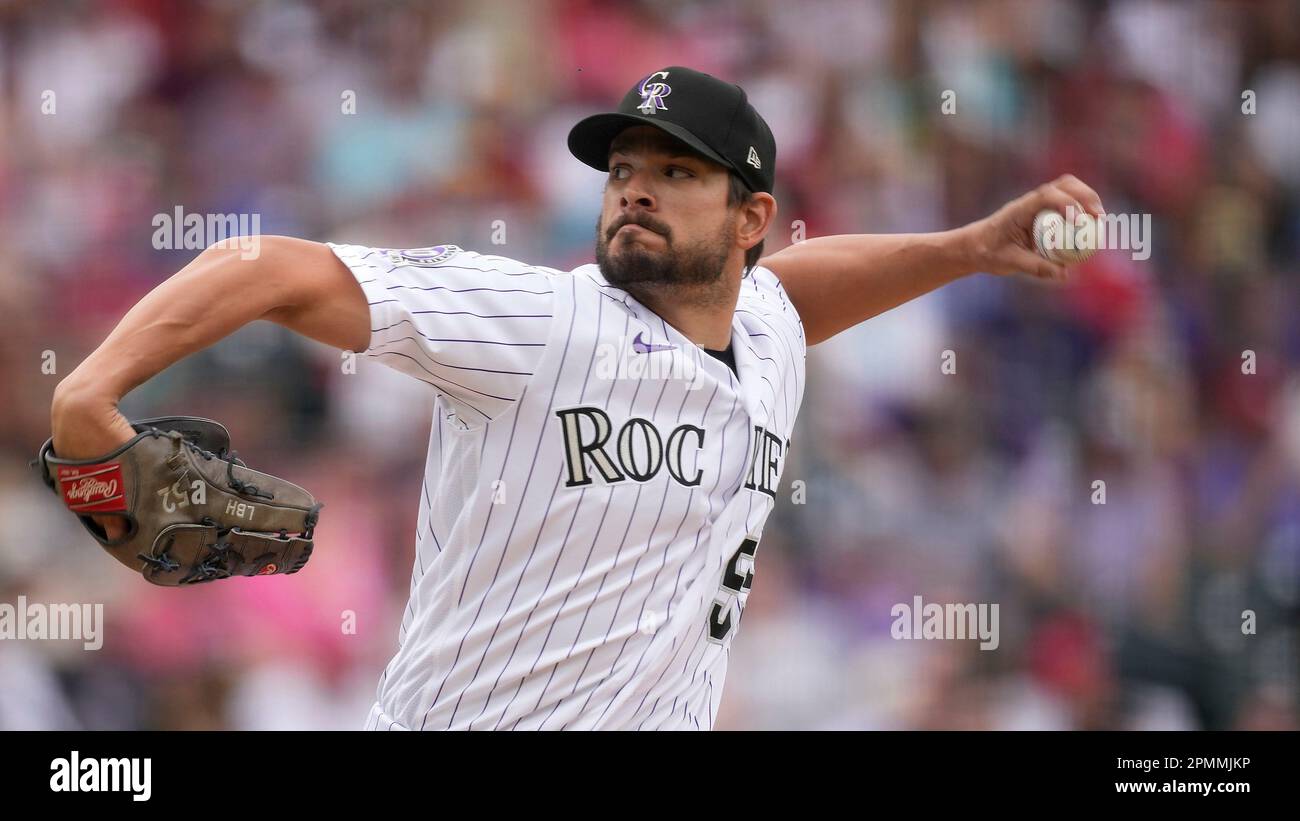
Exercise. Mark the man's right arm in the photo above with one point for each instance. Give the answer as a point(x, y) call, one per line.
point(295, 283)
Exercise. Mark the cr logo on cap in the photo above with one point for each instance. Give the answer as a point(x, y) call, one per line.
point(652, 94)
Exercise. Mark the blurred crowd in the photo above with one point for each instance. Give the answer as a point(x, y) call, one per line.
point(1175, 381)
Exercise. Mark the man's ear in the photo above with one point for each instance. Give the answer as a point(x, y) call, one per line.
point(757, 216)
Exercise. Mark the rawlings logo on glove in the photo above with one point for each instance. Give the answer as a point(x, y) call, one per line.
point(93, 489)
point(188, 503)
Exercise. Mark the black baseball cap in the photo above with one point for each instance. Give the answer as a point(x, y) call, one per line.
point(709, 115)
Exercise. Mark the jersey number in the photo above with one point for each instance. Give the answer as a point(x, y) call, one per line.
point(733, 585)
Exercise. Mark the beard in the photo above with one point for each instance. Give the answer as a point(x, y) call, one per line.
point(639, 267)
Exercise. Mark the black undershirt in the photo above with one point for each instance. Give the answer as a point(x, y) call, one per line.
point(727, 357)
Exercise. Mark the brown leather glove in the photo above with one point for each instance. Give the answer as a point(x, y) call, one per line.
point(194, 512)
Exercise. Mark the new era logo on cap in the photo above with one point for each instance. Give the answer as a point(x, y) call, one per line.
point(711, 116)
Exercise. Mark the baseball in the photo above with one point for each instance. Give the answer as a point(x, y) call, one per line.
point(1062, 243)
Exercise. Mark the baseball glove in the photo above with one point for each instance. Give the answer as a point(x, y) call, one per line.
point(194, 512)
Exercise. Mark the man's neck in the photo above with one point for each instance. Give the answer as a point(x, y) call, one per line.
point(701, 313)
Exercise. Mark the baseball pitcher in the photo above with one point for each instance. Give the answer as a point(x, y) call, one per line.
point(607, 442)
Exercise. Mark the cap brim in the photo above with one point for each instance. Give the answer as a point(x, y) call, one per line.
point(590, 139)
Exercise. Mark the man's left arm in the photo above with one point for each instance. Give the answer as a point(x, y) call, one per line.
point(836, 282)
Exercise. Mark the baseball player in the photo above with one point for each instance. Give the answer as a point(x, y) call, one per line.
point(607, 442)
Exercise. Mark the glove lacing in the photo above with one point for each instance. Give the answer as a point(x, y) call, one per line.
point(215, 565)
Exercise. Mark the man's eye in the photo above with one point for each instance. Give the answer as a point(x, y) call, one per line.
point(677, 172)
point(618, 172)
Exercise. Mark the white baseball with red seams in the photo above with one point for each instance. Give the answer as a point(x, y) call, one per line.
point(586, 538)
point(1064, 243)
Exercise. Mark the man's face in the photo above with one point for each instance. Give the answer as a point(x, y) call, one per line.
point(665, 218)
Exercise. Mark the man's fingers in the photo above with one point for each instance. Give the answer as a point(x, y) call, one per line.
point(1053, 197)
point(1081, 193)
point(114, 526)
point(1064, 193)
point(1031, 263)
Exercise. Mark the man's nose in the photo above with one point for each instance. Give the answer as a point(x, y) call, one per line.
point(637, 192)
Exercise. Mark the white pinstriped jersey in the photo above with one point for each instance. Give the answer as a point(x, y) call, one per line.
point(595, 491)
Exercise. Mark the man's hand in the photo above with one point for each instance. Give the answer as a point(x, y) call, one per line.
point(85, 426)
point(836, 282)
point(1003, 242)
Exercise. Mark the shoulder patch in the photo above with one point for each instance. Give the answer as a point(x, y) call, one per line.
point(423, 257)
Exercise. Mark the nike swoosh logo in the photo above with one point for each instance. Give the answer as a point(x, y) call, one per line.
point(641, 346)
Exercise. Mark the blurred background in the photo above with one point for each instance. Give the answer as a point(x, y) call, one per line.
point(968, 487)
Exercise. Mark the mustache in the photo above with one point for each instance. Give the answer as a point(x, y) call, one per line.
point(647, 222)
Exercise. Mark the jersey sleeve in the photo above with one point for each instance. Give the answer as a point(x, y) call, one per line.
point(474, 326)
point(776, 336)
point(763, 295)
